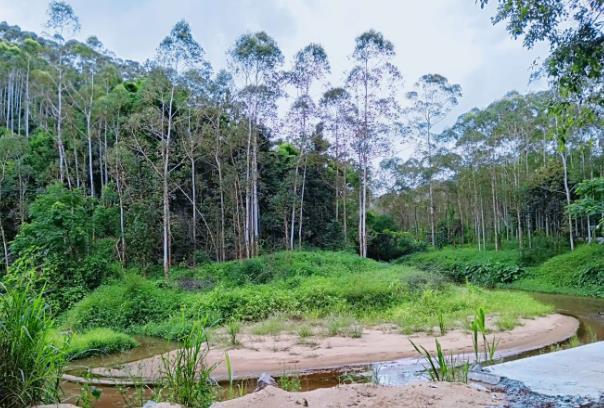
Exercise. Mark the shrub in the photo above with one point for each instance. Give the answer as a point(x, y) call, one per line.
point(388, 245)
point(487, 268)
point(30, 365)
point(133, 302)
point(98, 342)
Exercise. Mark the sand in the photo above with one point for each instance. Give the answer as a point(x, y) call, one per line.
point(286, 353)
point(442, 395)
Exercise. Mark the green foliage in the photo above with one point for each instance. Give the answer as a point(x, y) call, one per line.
point(591, 201)
point(30, 364)
point(542, 248)
point(133, 302)
point(579, 272)
point(486, 268)
point(59, 241)
point(289, 382)
point(386, 242)
point(94, 342)
point(414, 299)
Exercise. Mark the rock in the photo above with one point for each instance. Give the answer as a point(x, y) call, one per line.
point(484, 377)
point(264, 381)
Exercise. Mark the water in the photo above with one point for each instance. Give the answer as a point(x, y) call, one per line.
point(589, 311)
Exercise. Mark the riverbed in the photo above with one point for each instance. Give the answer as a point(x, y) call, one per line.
point(589, 312)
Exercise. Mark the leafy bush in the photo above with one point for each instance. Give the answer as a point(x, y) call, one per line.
point(542, 248)
point(487, 268)
point(30, 365)
point(133, 302)
point(386, 242)
point(63, 241)
point(280, 266)
point(97, 342)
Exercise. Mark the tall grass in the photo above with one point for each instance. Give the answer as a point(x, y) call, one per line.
point(30, 365)
point(185, 376)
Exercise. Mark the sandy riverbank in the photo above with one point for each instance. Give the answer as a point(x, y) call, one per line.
point(442, 395)
point(286, 353)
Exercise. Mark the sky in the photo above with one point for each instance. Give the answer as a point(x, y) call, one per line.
point(454, 38)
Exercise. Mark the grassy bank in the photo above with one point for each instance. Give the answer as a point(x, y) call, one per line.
point(293, 286)
point(93, 342)
point(580, 272)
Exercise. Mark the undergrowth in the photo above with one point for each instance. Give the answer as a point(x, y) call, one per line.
point(345, 300)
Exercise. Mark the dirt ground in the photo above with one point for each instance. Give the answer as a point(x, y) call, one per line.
point(442, 395)
point(281, 354)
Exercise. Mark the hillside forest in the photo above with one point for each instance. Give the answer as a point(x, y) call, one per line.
point(107, 163)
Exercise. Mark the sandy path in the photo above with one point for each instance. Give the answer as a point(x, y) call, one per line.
point(442, 395)
point(284, 353)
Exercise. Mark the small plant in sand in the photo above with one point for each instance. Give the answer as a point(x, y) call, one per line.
point(443, 368)
point(479, 326)
point(233, 390)
point(290, 382)
point(89, 394)
point(233, 328)
point(137, 394)
point(441, 324)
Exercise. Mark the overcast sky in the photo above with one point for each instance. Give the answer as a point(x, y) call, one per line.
point(454, 38)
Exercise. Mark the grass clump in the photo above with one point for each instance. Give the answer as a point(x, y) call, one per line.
point(98, 341)
point(580, 272)
point(30, 364)
point(233, 328)
point(186, 379)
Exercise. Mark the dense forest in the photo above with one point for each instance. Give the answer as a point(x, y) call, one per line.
point(106, 161)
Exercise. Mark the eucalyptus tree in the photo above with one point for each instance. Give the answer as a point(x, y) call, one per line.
point(372, 83)
point(177, 51)
point(431, 100)
point(310, 64)
point(87, 63)
point(255, 58)
point(336, 113)
point(63, 22)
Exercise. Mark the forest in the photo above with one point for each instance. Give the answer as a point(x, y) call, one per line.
point(121, 179)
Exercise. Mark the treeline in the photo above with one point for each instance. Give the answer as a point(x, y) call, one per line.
point(504, 173)
point(169, 162)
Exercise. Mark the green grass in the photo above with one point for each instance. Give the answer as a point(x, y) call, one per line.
point(344, 292)
point(99, 341)
point(580, 272)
